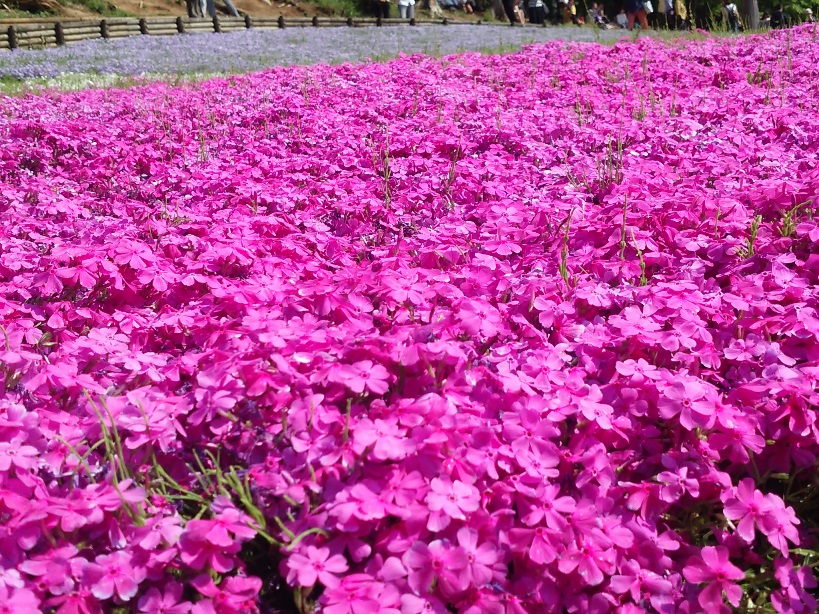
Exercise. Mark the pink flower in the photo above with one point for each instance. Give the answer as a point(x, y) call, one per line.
point(482, 562)
point(590, 559)
point(233, 595)
point(212, 542)
point(11, 578)
point(435, 562)
point(413, 604)
point(389, 441)
point(217, 532)
point(361, 594)
point(747, 505)
point(169, 602)
point(688, 400)
point(638, 371)
point(18, 601)
point(779, 524)
point(540, 544)
point(479, 318)
point(315, 565)
point(116, 574)
point(796, 594)
point(639, 582)
point(360, 376)
point(54, 569)
point(199, 553)
point(549, 507)
point(21, 456)
point(713, 568)
point(450, 500)
point(675, 484)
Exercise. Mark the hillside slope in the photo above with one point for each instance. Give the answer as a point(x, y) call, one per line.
point(22, 10)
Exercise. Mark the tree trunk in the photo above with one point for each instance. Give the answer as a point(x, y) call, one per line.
point(497, 8)
point(434, 9)
point(750, 17)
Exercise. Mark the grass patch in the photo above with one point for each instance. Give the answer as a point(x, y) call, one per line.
point(15, 13)
point(13, 86)
point(102, 7)
point(341, 8)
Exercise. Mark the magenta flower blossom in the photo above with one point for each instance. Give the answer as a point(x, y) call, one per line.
point(228, 526)
point(116, 574)
point(639, 582)
point(360, 594)
point(168, 602)
point(688, 399)
point(18, 601)
point(436, 562)
point(413, 604)
point(54, 569)
point(387, 438)
point(214, 542)
point(200, 554)
point(589, 559)
point(797, 593)
point(479, 318)
point(450, 500)
point(779, 524)
point(713, 568)
point(361, 376)
point(233, 595)
point(675, 484)
point(482, 562)
point(749, 506)
point(315, 565)
point(14, 454)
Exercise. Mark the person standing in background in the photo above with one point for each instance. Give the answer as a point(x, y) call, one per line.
point(680, 15)
point(406, 9)
point(636, 12)
point(730, 15)
point(381, 8)
point(537, 12)
point(571, 13)
point(667, 7)
point(778, 18)
point(509, 9)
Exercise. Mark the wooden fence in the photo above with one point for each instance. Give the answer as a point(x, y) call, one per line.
point(53, 34)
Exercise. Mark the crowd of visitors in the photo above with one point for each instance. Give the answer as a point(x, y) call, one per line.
point(670, 14)
point(667, 14)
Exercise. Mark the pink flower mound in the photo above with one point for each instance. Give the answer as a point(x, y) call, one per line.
point(478, 335)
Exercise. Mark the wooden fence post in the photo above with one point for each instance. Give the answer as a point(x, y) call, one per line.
point(378, 21)
point(315, 21)
point(412, 21)
point(180, 25)
point(104, 29)
point(12, 32)
point(281, 21)
point(143, 26)
point(217, 27)
point(248, 22)
point(349, 22)
point(59, 33)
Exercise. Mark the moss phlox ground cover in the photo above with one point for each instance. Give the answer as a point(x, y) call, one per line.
point(505, 334)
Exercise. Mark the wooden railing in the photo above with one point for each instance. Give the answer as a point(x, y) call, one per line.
point(58, 33)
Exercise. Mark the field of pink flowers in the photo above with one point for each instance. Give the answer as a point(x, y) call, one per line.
point(482, 334)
